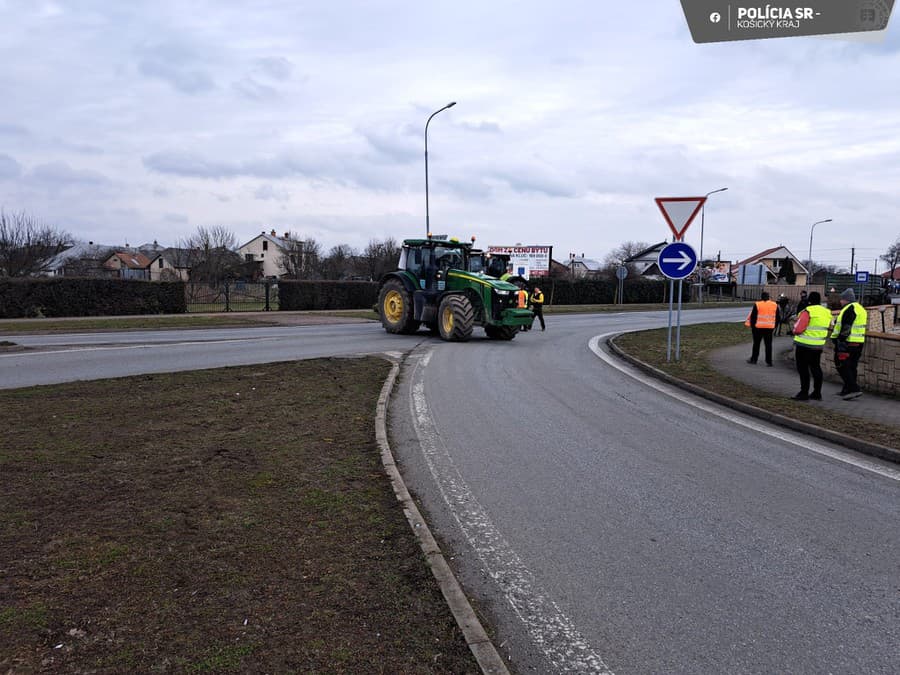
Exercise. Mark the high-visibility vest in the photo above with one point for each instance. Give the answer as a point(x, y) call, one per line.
point(817, 330)
point(858, 329)
point(765, 314)
point(523, 299)
point(537, 298)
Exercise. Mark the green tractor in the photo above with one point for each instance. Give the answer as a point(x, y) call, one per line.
point(443, 285)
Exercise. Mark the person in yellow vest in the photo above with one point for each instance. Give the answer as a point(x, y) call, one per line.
point(810, 333)
point(537, 305)
point(849, 336)
point(761, 321)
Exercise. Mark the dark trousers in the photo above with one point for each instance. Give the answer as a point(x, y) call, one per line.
point(539, 314)
point(847, 368)
point(809, 362)
point(760, 335)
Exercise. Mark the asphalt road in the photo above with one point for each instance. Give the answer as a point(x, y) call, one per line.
point(604, 524)
point(608, 527)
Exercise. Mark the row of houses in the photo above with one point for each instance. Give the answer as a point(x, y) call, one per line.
point(265, 256)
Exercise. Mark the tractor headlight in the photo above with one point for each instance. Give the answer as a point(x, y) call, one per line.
point(501, 292)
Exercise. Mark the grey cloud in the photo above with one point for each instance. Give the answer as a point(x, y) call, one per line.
point(268, 192)
point(15, 130)
point(250, 88)
point(61, 174)
point(9, 168)
point(392, 147)
point(536, 182)
point(177, 64)
point(482, 127)
point(276, 67)
point(187, 164)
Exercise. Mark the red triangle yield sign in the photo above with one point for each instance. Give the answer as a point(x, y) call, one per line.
point(679, 212)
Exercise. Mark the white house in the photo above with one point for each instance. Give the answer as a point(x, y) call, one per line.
point(276, 256)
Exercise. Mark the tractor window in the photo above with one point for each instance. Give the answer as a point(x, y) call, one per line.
point(447, 258)
point(476, 264)
point(411, 260)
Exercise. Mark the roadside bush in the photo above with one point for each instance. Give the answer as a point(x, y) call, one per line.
point(603, 291)
point(21, 298)
point(297, 295)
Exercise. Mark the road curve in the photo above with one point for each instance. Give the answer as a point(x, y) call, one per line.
point(608, 527)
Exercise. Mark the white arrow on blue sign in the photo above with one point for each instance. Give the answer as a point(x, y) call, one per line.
point(677, 260)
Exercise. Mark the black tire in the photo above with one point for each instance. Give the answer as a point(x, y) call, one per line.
point(501, 332)
point(396, 308)
point(455, 318)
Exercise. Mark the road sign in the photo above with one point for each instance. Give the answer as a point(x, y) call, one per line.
point(679, 212)
point(621, 272)
point(862, 277)
point(677, 260)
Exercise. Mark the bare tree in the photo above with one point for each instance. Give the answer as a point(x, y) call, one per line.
point(892, 257)
point(379, 258)
point(300, 257)
point(620, 254)
point(27, 246)
point(340, 262)
point(211, 254)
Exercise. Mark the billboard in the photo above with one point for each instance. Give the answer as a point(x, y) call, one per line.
point(716, 271)
point(534, 259)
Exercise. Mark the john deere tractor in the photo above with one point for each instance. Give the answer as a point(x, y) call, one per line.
point(441, 284)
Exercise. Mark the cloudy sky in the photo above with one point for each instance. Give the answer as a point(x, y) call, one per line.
point(139, 121)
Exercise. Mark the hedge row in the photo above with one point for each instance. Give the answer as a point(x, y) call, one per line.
point(89, 297)
point(297, 295)
point(603, 292)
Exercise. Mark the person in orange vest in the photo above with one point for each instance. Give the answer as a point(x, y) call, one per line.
point(761, 321)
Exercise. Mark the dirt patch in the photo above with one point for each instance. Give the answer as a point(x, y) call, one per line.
point(231, 520)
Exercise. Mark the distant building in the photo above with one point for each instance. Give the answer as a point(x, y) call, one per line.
point(128, 265)
point(773, 258)
point(276, 256)
point(170, 264)
point(644, 263)
point(84, 259)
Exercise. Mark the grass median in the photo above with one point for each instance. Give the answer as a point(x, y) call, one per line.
point(229, 520)
point(698, 341)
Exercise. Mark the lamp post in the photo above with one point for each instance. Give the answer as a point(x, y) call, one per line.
point(809, 258)
point(702, 222)
point(427, 221)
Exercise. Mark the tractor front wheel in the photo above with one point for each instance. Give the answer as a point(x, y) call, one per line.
point(455, 318)
point(396, 308)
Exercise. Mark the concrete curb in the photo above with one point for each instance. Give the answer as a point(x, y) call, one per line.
point(866, 447)
point(476, 637)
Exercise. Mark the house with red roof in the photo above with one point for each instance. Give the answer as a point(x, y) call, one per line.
point(774, 259)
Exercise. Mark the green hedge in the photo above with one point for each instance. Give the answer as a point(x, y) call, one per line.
point(89, 297)
point(296, 295)
point(603, 291)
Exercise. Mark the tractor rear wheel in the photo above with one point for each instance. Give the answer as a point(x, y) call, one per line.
point(455, 318)
point(396, 308)
point(501, 332)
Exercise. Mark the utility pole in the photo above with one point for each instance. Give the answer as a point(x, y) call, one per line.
point(852, 258)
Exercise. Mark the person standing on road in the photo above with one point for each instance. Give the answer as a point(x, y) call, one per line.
point(810, 333)
point(849, 336)
point(762, 322)
point(537, 305)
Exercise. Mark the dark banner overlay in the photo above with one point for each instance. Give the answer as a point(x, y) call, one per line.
point(722, 21)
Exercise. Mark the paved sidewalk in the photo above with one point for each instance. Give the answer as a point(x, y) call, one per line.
point(782, 378)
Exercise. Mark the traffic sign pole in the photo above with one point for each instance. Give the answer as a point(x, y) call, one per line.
point(669, 332)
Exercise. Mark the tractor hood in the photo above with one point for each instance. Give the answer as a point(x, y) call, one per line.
point(496, 284)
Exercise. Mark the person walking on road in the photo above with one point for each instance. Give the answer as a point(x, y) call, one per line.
point(537, 305)
point(810, 333)
point(849, 336)
point(762, 322)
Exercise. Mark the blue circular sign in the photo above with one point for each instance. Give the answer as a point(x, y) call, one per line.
point(677, 260)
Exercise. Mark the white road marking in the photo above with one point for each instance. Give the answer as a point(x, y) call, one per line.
point(758, 426)
point(44, 352)
point(551, 630)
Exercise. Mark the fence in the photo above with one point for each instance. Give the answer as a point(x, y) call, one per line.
point(232, 296)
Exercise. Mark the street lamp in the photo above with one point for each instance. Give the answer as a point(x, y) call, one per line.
point(427, 221)
point(702, 222)
point(809, 258)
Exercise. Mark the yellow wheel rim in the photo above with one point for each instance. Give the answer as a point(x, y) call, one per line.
point(393, 306)
point(447, 320)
